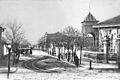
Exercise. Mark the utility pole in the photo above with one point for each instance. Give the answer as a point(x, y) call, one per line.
point(80, 54)
point(81, 46)
point(9, 53)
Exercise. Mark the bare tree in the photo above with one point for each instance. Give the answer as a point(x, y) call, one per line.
point(13, 33)
point(76, 39)
point(70, 31)
point(25, 44)
point(41, 42)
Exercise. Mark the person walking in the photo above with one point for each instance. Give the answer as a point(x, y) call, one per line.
point(76, 60)
point(30, 50)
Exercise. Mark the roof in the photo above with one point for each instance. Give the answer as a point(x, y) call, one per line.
point(112, 22)
point(59, 37)
point(56, 37)
point(90, 18)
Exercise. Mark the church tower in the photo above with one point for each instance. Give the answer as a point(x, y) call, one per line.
point(87, 24)
point(87, 27)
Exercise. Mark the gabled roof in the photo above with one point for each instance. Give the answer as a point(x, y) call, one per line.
point(112, 22)
point(90, 18)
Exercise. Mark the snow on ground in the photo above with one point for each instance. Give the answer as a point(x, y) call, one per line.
point(80, 73)
point(24, 74)
point(38, 52)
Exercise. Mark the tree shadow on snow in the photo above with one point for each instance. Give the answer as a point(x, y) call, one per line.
point(110, 70)
point(50, 64)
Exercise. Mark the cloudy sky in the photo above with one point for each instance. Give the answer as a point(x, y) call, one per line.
point(40, 16)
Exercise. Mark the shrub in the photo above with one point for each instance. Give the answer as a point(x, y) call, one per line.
point(91, 48)
point(100, 56)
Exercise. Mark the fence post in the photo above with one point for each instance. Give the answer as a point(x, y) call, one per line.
point(106, 49)
point(90, 64)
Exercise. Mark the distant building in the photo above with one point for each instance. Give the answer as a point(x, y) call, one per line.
point(5, 50)
point(56, 42)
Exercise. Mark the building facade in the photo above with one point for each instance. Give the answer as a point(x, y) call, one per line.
point(109, 28)
point(1, 43)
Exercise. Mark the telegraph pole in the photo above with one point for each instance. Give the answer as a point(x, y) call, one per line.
point(9, 53)
point(81, 46)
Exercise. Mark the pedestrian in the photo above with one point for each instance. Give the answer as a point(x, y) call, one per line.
point(62, 56)
point(76, 60)
point(30, 50)
point(68, 56)
point(59, 56)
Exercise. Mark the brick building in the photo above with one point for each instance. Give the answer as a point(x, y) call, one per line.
point(87, 28)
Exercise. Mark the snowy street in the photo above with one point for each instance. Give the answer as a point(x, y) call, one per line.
point(59, 71)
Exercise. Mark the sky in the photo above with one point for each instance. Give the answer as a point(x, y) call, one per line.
point(40, 16)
